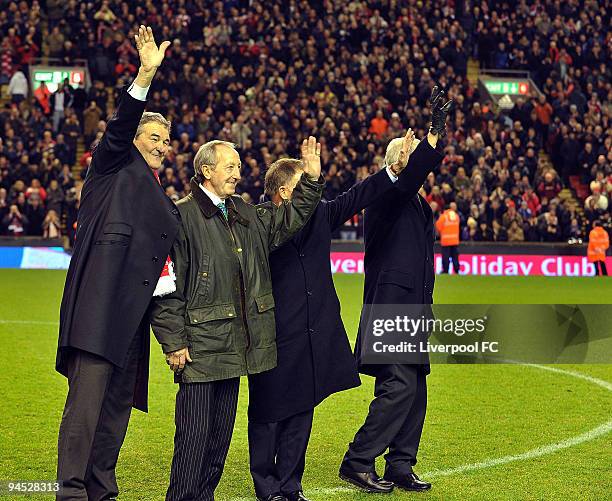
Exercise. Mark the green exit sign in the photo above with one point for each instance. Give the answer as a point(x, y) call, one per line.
point(53, 77)
point(508, 87)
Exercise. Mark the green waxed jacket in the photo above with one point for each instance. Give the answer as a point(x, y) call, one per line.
point(223, 308)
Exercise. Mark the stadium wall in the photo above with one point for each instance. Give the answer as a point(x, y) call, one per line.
point(492, 259)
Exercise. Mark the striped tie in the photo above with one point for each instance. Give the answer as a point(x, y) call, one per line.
point(223, 208)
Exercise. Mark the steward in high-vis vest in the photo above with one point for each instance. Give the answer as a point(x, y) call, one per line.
point(448, 228)
point(598, 245)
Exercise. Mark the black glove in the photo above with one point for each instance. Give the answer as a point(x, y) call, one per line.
point(439, 111)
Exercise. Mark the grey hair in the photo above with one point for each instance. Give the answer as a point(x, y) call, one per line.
point(393, 150)
point(152, 117)
point(207, 155)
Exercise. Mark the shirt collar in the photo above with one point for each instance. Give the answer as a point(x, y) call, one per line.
point(213, 197)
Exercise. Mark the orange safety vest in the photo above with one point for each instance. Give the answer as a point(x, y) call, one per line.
point(598, 244)
point(448, 228)
point(43, 99)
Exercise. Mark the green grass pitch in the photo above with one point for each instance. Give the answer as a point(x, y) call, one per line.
point(479, 416)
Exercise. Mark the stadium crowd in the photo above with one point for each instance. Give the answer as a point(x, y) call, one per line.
point(354, 74)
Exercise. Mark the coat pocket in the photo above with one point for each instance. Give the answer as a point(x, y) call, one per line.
point(264, 302)
point(115, 234)
point(205, 314)
point(395, 287)
point(263, 331)
point(210, 329)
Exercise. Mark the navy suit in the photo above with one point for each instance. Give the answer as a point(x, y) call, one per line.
point(399, 269)
point(314, 354)
point(126, 225)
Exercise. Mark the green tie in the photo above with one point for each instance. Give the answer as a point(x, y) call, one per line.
point(223, 208)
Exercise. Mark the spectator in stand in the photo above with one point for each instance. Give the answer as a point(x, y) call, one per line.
point(436, 196)
point(51, 225)
point(511, 215)
point(531, 200)
point(549, 187)
point(548, 227)
point(379, 125)
point(499, 232)
point(470, 231)
point(35, 190)
point(35, 212)
point(79, 101)
point(15, 222)
point(18, 87)
point(461, 180)
point(60, 100)
point(599, 242)
point(544, 112)
point(485, 233)
point(91, 119)
point(4, 207)
point(531, 230)
point(515, 232)
point(55, 42)
point(71, 130)
point(55, 197)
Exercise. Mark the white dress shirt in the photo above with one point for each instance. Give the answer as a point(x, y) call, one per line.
point(392, 176)
point(213, 197)
point(138, 92)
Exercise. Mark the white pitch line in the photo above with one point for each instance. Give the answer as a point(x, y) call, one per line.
point(489, 463)
point(32, 322)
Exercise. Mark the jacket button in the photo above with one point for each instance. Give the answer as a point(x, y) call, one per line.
point(309, 293)
point(146, 282)
point(302, 254)
point(204, 274)
point(310, 331)
point(164, 236)
point(239, 249)
point(175, 211)
point(155, 259)
point(230, 314)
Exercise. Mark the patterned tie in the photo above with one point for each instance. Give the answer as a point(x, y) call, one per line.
point(223, 208)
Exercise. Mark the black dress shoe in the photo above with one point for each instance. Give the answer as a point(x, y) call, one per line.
point(273, 497)
point(368, 482)
point(296, 496)
point(408, 482)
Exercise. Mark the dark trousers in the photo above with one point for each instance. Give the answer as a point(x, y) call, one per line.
point(94, 424)
point(278, 454)
point(395, 422)
point(450, 252)
point(204, 419)
point(602, 265)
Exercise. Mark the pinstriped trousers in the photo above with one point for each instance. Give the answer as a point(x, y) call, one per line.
point(204, 419)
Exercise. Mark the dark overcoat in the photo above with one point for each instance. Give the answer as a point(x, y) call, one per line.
point(223, 306)
point(314, 355)
point(398, 238)
point(126, 225)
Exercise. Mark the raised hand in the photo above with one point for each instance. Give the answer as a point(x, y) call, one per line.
point(439, 111)
point(150, 55)
point(311, 156)
point(404, 154)
point(436, 93)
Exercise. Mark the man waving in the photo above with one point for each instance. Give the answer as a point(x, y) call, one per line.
point(125, 229)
